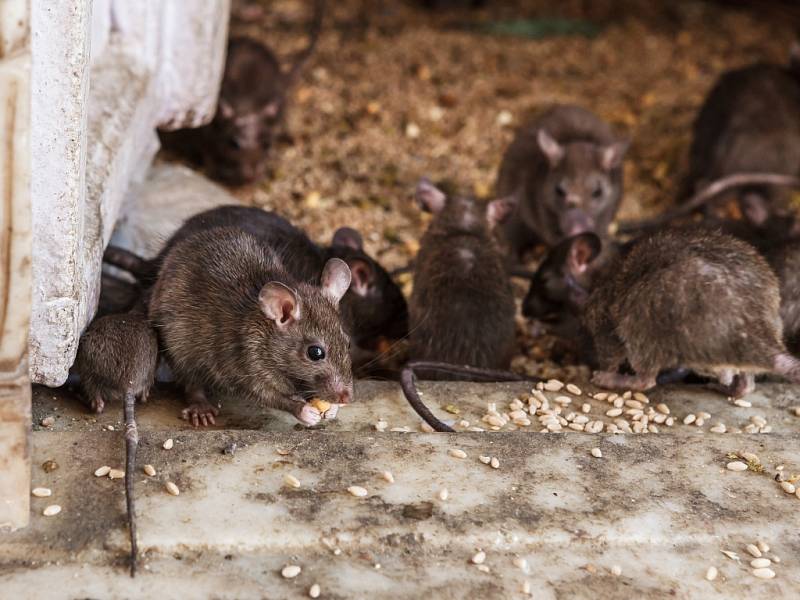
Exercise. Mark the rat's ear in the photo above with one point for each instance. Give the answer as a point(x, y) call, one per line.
point(583, 249)
point(550, 147)
point(347, 237)
point(225, 109)
point(429, 197)
point(279, 303)
point(499, 209)
point(611, 156)
point(271, 109)
point(363, 275)
point(335, 279)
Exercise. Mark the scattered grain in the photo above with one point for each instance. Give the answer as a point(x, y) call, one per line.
point(478, 557)
point(554, 385)
point(51, 510)
point(116, 474)
point(712, 573)
point(42, 492)
point(597, 453)
point(457, 453)
point(736, 465)
point(357, 491)
point(495, 463)
point(753, 550)
point(763, 546)
point(291, 480)
point(291, 571)
point(760, 563)
point(387, 475)
point(788, 487)
point(172, 488)
point(616, 570)
point(743, 403)
point(614, 412)
point(689, 419)
point(149, 470)
point(443, 494)
point(102, 471)
point(485, 459)
point(314, 591)
point(764, 573)
point(574, 389)
point(169, 444)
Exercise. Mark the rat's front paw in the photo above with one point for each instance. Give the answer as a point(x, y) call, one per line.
point(308, 415)
point(331, 412)
point(200, 413)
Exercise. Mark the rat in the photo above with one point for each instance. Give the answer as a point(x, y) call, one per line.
point(234, 148)
point(230, 318)
point(749, 124)
point(373, 308)
point(785, 260)
point(565, 169)
point(680, 297)
point(117, 359)
point(462, 307)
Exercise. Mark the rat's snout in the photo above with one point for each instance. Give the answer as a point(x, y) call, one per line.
point(576, 221)
point(344, 397)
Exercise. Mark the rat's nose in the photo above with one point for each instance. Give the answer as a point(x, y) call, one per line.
point(344, 397)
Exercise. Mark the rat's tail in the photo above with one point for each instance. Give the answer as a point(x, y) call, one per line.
point(313, 36)
point(787, 366)
point(126, 260)
point(131, 444)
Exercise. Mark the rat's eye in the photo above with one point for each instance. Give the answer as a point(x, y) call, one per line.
point(234, 143)
point(561, 191)
point(315, 353)
point(597, 192)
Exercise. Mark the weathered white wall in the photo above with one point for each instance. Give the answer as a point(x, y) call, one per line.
point(105, 74)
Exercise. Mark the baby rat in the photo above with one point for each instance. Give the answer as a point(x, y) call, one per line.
point(749, 123)
point(565, 169)
point(117, 359)
point(462, 308)
point(230, 318)
point(372, 308)
point(679, 297)
point(250, 115)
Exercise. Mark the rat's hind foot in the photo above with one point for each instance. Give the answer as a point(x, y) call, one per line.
point(97, 404)
point(617, 381)
point(735, 386)
point(200, 414)
point(307, 414)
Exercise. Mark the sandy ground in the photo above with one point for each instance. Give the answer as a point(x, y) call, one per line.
point(395, 92)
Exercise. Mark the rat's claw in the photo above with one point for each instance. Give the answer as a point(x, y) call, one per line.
point(308, 415)
point(331, 412)
point(200, 414)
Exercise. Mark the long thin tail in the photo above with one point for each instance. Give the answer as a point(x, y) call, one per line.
point(313, 37)
point(408, 380)
point(131, 444)
point(126, 260)
point(708, 193)
point(787, 366)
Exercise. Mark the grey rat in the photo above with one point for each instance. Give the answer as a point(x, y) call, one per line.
point(462, 308)
point(372, 308)
point(235, 146)
point(749, 123)
point(679, 297)
point(785, 260)
point(230, 318)
point(116, 360)
point(565, 169)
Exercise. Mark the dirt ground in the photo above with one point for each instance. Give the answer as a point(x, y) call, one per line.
point(395, 92)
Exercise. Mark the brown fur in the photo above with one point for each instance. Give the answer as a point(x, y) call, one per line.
point(462, 309)
point(785, 259)
point(542, 215)
point(205, 306)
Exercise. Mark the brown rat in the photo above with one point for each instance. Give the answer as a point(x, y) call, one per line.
point(235, 146)
point(373, 307)
point(749, 123)
point(785, 260)
point(679, 297)
point(565, 169)
point(230, 318)
point(117, 359)
point(462, 308)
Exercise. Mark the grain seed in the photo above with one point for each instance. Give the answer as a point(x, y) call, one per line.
point(753, 550)
point(662, 408)
point(760, 563)
point(41, 492)
point(51, 510)
point(563, 400)
point(554, 385)
point(314, 591)
point(291, 571)
point(689, 419)
point(574, 389)
point(457, 453)
point(102, 471)
point(616, 570)
point(614, 412)
point(443, 494)
point(764, 573)
point(585, 408)
point(116, 474)
point(763, 546)
point(387, 475)
point(743, 403)
point(172, 488)
point(495, 463)
point(711, 574)
point(381, 426)
point(736, 465)
point(718, 428)
point(788, 487)
point(521, 564)
point(478, 557)
point(731, 555)
point(149, 470)
point(291, 480)
point(357, 491)
point(485, 459)
point(597, 453)
point(641, 397)
point(526, 587)
point(169, 444)
point(603, 395)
